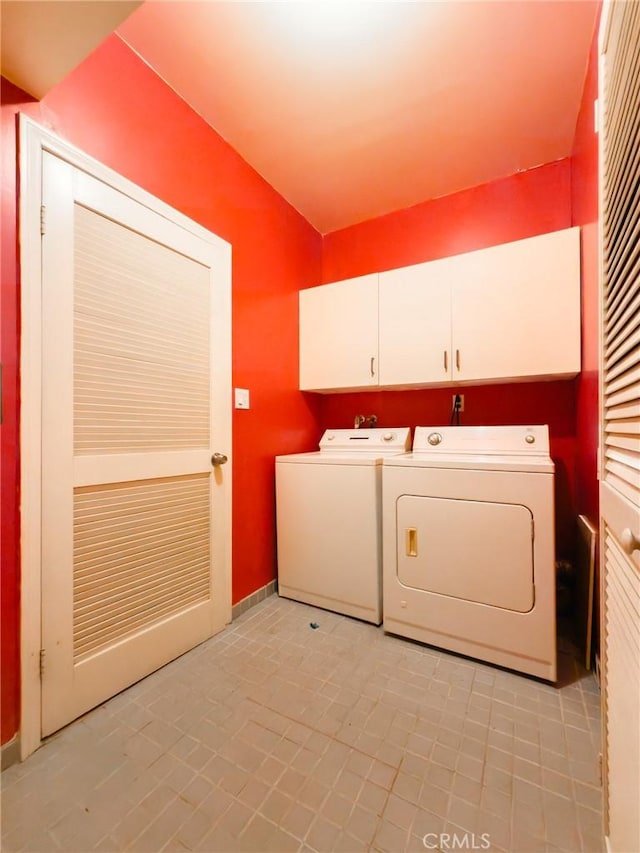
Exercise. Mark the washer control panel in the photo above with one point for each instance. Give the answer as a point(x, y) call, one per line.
point(395, 439)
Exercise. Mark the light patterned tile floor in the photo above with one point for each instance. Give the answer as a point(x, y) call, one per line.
point(273, 736)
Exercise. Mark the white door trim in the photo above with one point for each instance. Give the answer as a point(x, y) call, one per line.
point(34, 140)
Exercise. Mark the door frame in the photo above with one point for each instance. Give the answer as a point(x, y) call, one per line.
point(34, 140)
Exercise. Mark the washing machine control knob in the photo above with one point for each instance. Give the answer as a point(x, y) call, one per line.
point(434, 438)
point(530, 439)
point(388, 436)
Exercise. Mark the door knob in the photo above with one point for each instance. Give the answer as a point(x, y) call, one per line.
point(629, 542)
point(218, 459)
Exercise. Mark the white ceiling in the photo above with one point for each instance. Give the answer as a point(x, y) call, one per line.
point(356, 108)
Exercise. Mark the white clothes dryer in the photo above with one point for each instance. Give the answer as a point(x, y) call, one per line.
point(329, 520)
point(468, 532)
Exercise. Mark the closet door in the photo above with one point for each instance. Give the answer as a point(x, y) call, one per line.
point(620, 439)
point(134, 520)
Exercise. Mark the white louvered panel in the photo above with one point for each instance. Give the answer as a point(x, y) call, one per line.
point(141, 553)
point(624, 341)
point(629, 304)
point(622, 464)
point(625, 394)
point(622, 440)
point(624, 373)
point(620, 484)
point(624, 153)
point(621, 305)
point(623, 418)
point(621, 252)
point(632, 459)
point(622, 85)
point(626, 468)
point(141, 342)
point(628, 443)
point(622, 615)
point(621, 264)
point(627, 154)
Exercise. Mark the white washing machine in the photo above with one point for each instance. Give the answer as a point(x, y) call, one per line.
point(329, 520)
point(468, 533)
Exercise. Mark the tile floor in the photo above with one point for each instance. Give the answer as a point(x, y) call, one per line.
point(274, 736)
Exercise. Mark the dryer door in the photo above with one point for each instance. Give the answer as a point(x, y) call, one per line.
point(472, 550)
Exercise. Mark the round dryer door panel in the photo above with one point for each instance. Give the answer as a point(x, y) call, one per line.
point(471, 550)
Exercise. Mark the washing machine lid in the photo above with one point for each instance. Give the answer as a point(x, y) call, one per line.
point(356, 446)
point(492, 448)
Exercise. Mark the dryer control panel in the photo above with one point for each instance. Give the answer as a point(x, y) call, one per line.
point(484, 440)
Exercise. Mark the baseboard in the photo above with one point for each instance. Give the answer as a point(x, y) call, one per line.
point(11, 752)
point(253, 599)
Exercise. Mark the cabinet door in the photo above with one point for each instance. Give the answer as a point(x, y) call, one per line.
point(339, 335)
point(516, 309)
point(415, 324)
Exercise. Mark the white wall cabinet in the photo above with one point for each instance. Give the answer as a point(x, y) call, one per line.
point(515, 310)
point(339, 335)
point(415, 324)
point(506, 313)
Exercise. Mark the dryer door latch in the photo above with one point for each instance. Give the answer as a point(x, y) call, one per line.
point(411, 541)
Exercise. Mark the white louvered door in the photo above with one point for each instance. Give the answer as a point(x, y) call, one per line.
point(620, 442)
point(135, 399)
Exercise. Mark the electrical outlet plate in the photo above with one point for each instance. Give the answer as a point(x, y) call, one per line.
point(241, 398)
point(453, 401)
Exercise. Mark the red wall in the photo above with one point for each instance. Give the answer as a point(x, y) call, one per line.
point(513, 208)
point(116, 109)
point(9, 461)
point(584, 203)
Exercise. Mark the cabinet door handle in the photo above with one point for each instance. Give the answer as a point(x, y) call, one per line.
point(446, 362)
point(458, 359)
point(371, 366)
